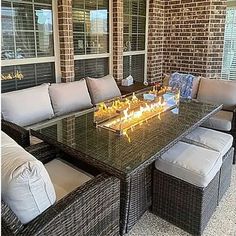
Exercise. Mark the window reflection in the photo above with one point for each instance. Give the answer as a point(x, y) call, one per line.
point(19, 34)
point(91, 27)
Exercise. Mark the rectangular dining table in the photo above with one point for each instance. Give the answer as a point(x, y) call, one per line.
point(128, 157)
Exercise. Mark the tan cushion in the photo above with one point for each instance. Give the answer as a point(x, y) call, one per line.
point(26, 185)
point(222, 120)
point(69, 97)
point(27, 106)
point(102, 89)
point(190, 163)
point(65, 177)
point(218, 91)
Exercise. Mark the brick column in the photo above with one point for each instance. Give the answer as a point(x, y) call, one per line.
point(65, 28)
point(155, 40)
point(68, 127)
point(117, 39)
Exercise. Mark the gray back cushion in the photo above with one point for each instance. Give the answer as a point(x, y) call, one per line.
point(27, 106)
point(25, 185)
point(69, 97)
point(102, 89)
point(218, 91)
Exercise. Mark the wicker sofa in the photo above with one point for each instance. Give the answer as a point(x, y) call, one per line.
point(36, 106)
point(75, 213)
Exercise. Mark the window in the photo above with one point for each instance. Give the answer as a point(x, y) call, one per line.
point(27, 44)
point(134, 33)
point(91, 38)
point(229, 58)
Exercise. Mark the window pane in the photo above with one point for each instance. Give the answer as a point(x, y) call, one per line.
point(134, 24)
point(134, 7)
point(142, 8)
point(19, 39)
point(78, 21)
point(78, 4)
point(23, 16)
point(126, 24)
point(91, 18)
point(141, 42)
point(229, 57)
point(141, 24)
point(43, 23)
point(127, 42)
point(103, 43)
point(95, 68)
point(91, 44)
point(126, 66)
point(79, 43)
point(134, 65)
point(7, 85)
point(137, 70)
point(103, 4)
point(29, 76)
point(134, 42)
point(43, 1)
point(6, 16)
point(91, 5)
point(33, 74)
point(8, 45)
point(25, 45)
point(45, 73)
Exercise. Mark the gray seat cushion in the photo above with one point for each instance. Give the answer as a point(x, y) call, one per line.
point(209, 138)
point(65, 178)
point(102, 89)
point(222, 120)
point(193, 164)
point(218, 91)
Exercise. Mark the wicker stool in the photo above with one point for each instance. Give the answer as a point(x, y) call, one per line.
point(220, 142)
point(185, 186)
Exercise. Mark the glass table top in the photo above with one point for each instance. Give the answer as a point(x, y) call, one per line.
point(128, 152)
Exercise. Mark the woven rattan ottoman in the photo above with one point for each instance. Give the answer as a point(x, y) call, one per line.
point(185, 204)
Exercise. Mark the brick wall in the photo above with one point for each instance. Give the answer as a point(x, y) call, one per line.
point(117, 39)
point(155, 40)
point(183, 35)
point(193, 37)
point(65, 29)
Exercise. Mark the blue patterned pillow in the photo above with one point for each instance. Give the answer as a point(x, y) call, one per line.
point(184, 82)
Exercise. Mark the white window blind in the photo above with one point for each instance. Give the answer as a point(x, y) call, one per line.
point(229, 58)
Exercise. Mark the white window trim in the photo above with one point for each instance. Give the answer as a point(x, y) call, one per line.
point(103, 55)
point(38, 60)
point(224, 74)
point(142, 52)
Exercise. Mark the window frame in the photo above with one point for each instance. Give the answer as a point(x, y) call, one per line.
point(224, 74)
point(56, 49)
point(110, 38)
point(142, 52)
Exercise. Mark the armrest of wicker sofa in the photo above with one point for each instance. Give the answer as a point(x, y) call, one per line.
point(42, 151)
point(91, 209)
point(18, 133)
point(233, 121)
